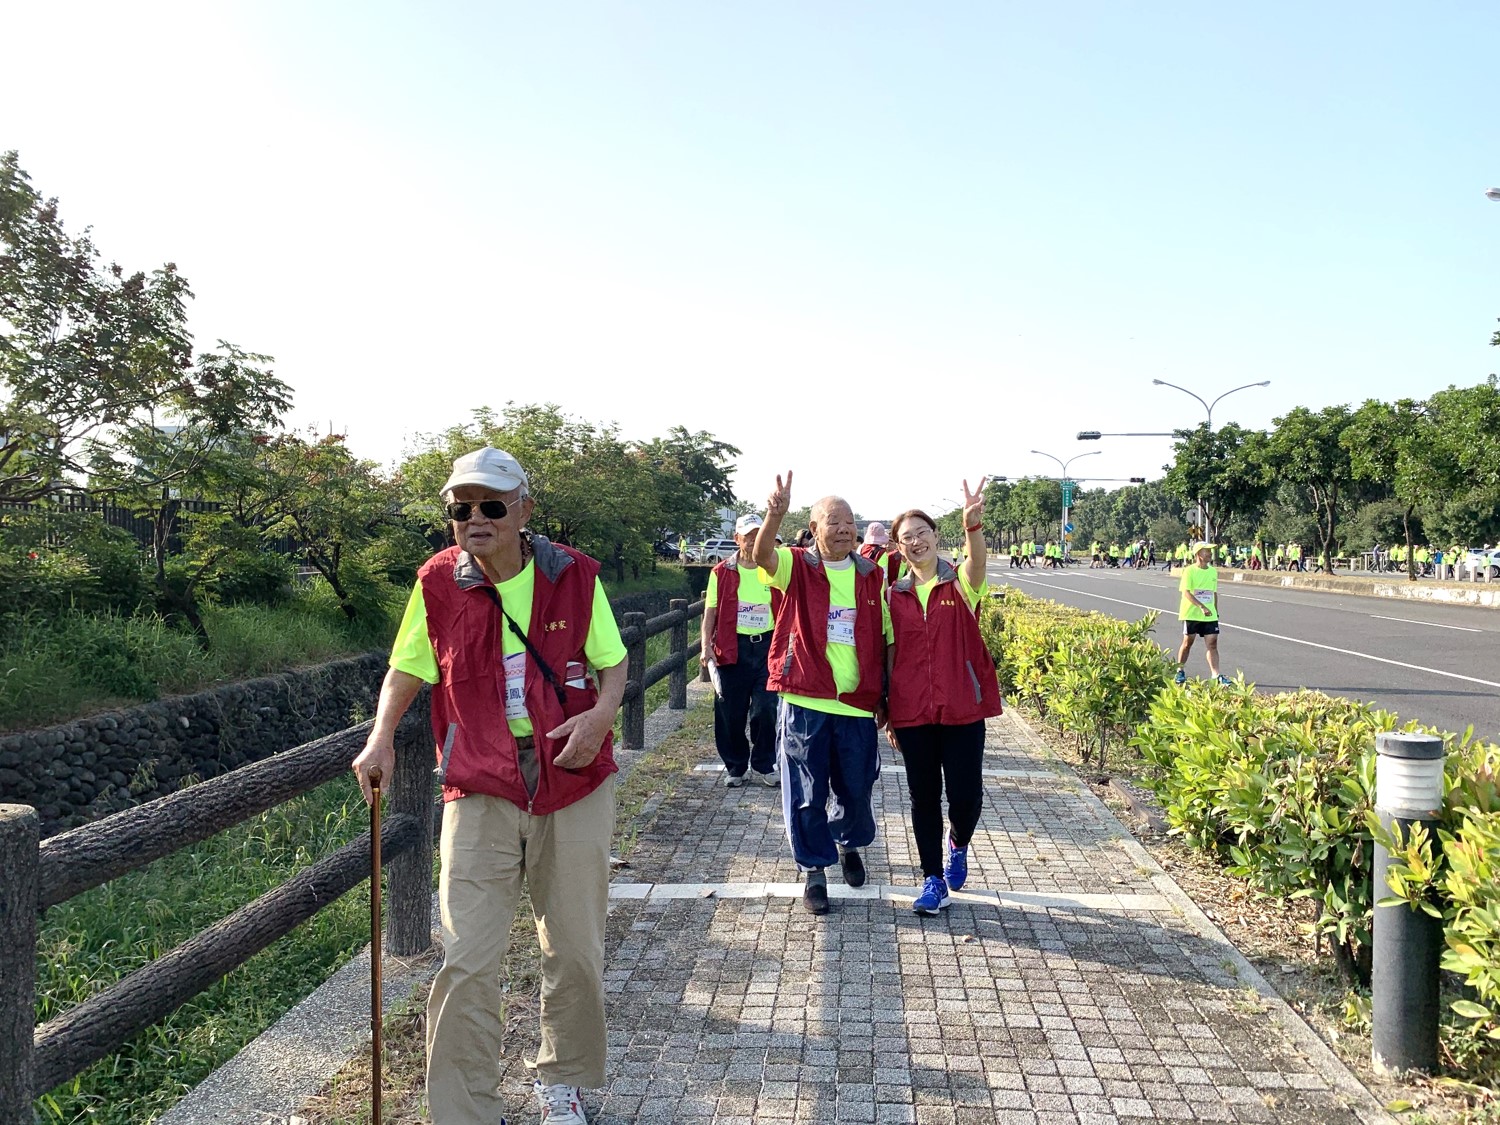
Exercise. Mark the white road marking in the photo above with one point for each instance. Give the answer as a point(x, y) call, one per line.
point(1054, 900)
point(1297, 640)
point(1434, 624)
point(1247, 598)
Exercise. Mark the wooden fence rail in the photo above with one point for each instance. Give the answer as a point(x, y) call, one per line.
point(36, 874)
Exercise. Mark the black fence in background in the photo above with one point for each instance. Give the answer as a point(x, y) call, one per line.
point(64, 504)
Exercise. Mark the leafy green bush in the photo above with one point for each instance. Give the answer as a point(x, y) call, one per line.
point(1280, 787)
point(56, 561)
point(1093, 676)
point(254, 578)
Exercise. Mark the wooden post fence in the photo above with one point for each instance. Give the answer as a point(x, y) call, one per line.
point(677, 691)
point(20, 832)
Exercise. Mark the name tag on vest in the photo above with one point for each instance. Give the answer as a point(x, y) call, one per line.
point(841, 625)
point(515, 686)
point(753, 618)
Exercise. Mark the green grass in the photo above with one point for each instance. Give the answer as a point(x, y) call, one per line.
point(100, 936)
point(61, 666)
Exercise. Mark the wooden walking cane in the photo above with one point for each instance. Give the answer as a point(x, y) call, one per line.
point(375, 946)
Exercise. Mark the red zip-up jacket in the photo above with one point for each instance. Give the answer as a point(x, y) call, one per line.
point(799, 647)
point(942, 673)
point(465, 625)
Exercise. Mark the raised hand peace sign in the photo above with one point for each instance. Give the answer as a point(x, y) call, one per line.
point(973, 505)
point(780, 500)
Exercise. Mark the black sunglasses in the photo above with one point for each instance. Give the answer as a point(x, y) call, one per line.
point(460, 510)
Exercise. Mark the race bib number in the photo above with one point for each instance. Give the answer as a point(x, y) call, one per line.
point(515, 686)
point(753, 618)
point(841, 625)
point(1206, 599)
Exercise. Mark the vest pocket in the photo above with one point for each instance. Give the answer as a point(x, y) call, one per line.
point(791, 652)
point(973, 679)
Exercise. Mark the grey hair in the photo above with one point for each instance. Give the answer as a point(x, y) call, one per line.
point(820, 508)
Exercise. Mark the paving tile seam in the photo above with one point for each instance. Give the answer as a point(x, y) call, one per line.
point(1055, 900)
point(1328, 1065)
point(1018, 775)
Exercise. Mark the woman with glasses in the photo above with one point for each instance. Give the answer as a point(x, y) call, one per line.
point(942, 688)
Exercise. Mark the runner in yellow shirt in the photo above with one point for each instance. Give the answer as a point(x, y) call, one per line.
point(1199, 611)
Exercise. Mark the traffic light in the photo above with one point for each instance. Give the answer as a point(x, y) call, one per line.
point(1089, 435)
point(1137, 480)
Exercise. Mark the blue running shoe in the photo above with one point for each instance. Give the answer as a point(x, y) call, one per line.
point(1225, 681)
point(1180, 678)
point(934, 897)
point(956, 870)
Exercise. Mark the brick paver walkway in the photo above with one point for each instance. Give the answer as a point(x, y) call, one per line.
point(1071, 982)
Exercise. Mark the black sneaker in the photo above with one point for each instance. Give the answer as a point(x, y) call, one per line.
point(815, 893)
point(852, 866)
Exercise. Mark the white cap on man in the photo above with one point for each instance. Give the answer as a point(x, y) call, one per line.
point(748, 523)
point(489, 468)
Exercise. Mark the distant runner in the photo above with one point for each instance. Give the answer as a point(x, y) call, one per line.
point(1199, 611)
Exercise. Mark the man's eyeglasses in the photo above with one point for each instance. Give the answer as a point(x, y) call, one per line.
point(460, 510)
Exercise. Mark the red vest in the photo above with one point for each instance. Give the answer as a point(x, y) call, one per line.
point(885, 557)
point(799, 646)
point(466, 628)
point(942, 673)
point(726, 625)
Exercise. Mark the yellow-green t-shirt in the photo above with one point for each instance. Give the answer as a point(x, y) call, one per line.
point(924, 590)
point(842, 658)
point(754, 597)
point(1201, 580)
point(413, 652)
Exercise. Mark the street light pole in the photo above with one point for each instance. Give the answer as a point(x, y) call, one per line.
point(1062, 528)
point(1208, 408)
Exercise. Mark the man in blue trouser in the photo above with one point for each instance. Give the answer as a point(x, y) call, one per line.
point(827, 661)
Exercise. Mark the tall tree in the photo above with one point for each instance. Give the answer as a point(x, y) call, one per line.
point(1397, 444)
point(1223, 471)
point(181, 432)
point(1306, 451)
point(81, 347)
point(691, 474)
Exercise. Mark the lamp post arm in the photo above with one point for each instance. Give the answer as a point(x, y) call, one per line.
point(1225, 395)
point(1209, 410)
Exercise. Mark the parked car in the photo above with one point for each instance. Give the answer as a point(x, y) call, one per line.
point(1475, 561)
point(716, 550)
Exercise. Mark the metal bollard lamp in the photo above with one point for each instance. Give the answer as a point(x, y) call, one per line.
point(1408, 941)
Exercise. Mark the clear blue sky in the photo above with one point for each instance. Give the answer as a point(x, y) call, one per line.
point(884, 244)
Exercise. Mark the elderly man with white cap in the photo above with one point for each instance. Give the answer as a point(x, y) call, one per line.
point(738, 618)
point(527, 670)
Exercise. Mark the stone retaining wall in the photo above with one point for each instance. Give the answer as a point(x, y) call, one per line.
point(79, 771)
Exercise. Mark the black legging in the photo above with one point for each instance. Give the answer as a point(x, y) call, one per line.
point(932, 755)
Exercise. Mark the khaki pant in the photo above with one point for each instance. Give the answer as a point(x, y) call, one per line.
point(488, 844)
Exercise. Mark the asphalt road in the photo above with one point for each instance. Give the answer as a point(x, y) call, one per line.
point(1437, 664)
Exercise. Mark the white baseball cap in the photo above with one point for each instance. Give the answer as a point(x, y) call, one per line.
point(748, 523)
point(1202, 545)
point(489, 468)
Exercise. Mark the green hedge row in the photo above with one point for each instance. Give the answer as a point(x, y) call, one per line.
point(1280, 788)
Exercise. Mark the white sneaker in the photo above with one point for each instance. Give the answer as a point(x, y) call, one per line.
point(733, 780)
point(770, 779)
point(561, 1105)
